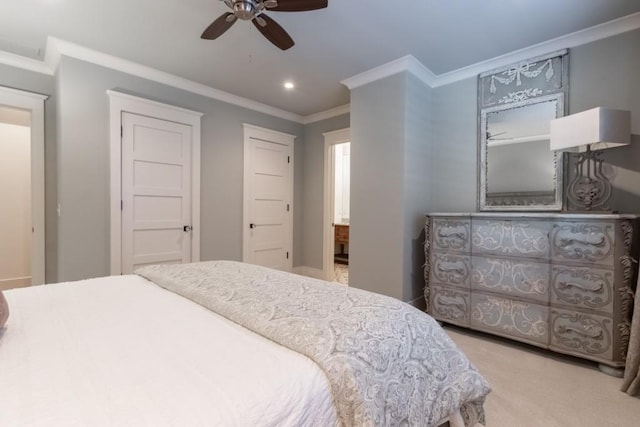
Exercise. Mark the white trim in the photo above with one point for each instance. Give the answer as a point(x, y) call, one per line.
point(121, 102)
point(34, 102)
point(327, 114)
point(406, 63)
point(316, 273)
point(578, 38)
point(57, 47)
point(25, 63)
point(262, 133)
point(255, 132)
point(64, 48)
point(14, 95)
point(412, 65)
point(15, 282)
point(328, 245)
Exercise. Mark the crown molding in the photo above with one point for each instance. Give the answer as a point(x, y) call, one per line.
point(24, 63)
point(578, 38)
point(56, 48)
point(406, 63)
point(327, 114)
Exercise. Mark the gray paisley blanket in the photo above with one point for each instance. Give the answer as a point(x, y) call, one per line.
point(388, 363)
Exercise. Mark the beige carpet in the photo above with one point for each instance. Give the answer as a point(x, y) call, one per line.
point(537, 388)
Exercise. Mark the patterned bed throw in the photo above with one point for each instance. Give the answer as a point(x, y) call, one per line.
point(388, 363)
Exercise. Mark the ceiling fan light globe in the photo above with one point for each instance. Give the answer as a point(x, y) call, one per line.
point(244, 10)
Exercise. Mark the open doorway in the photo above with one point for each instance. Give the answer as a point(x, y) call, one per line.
point(22, 233)
point(15, 188)
point(337, 222)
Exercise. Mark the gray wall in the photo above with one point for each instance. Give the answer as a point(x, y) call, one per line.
point(313, 184)
point(83, 167)
point(391, 142)
point(419, 146)
point(606, 73)
point(453, 160)
point(603, 73)
point(376, 240)
point(34, 82)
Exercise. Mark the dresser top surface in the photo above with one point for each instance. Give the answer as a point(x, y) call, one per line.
point(535, 215)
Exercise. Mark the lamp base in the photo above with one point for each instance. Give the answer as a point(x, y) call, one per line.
point(589, 190)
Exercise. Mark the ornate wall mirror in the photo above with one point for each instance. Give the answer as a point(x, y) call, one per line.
point(517, 169)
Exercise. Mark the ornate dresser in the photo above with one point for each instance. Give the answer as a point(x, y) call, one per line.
point(559, 281)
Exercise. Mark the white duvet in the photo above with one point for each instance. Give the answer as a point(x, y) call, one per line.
point(121, 351)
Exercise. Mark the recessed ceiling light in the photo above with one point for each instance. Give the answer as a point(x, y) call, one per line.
point(289, 85)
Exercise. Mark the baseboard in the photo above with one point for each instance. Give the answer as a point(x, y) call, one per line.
point(316, 273)
point(419, 303)
point(16, 282)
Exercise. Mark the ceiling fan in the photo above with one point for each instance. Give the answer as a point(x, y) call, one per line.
point(253, 10)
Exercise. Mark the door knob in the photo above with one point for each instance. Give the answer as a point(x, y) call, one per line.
point(187, 228)
point(252, 225)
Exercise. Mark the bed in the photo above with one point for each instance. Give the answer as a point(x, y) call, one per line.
point(223, 343)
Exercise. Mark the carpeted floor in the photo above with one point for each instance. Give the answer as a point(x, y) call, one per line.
point(537, 388)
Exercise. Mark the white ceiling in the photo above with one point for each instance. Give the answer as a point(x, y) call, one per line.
point(333, 44)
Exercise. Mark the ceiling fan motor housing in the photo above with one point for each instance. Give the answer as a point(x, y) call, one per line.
point(244, 9)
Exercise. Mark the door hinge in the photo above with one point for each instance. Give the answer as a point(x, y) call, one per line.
point(287, 207)
point(121, 205)
point(121, 131)
point(287, 255)
point(288, 159)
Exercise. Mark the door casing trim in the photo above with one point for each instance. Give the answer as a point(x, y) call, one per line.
point(34, 103)
point(121, 102)
point(332, 138)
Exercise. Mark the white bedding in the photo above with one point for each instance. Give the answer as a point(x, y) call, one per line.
point(121, 351)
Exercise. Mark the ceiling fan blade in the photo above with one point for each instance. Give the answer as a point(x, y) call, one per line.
point(273, 31)
point(298, 5)
point(219, 26)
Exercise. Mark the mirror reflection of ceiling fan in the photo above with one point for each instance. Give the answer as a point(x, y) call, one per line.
point(253, 10)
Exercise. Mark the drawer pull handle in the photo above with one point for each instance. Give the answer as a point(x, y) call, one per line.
point(597, 241)
point(596, 289)
point(450, 233)
point(451, 302)
point(450, 267)
point(596, 335)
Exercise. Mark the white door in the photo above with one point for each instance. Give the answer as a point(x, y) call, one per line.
point(268, 198)
point(156, 192)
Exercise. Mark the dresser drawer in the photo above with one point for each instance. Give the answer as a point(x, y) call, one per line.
point(451, 234)
point(450, 269)
point(449, 305)
point(585, 334)
point(584, 287)
point(515, 319)
point(510, 237)
point(585, 242)
point(511, 277)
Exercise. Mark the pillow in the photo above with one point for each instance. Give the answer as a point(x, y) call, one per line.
point(4, 310)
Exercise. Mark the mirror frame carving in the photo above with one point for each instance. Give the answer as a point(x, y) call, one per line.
point(515, 86)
